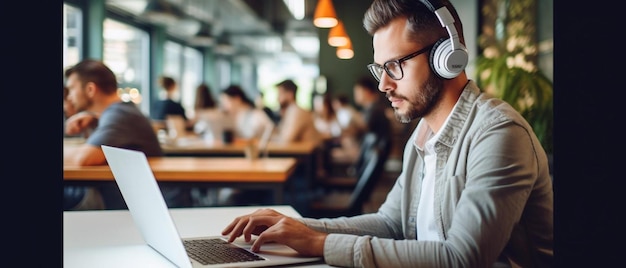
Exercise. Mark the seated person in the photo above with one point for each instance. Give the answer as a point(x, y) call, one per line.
point(296, 123)
point(326, 120)
point(248, 121)
point(353, 128)
point(93, 89)
point(475, 188)
point(208, 119)
point(169, 106)
point(259, 102)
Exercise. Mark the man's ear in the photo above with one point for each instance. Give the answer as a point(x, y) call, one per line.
point(91, 89)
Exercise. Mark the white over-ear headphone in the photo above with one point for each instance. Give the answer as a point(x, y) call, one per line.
point(448, 57)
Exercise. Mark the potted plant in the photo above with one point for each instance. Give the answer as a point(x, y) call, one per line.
point(507, 69)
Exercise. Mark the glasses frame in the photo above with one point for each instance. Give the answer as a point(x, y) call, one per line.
point(373, 67)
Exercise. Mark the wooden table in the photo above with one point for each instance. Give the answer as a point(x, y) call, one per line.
point(309, 155)
point(198, 147)
point(238, 172)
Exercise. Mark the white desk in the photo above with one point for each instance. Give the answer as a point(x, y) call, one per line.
point(109, 238)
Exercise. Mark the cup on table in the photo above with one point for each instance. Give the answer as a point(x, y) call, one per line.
point(228, 136)
point(251, 150)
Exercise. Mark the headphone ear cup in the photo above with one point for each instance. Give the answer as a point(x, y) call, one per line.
point(446, 62)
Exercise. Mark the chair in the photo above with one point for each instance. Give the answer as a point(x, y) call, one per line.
point(348, 180)
point(348, 199)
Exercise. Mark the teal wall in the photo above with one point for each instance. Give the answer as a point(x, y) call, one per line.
point(341, 74)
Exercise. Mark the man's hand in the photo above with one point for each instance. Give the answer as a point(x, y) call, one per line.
point(79, 122)
point(272, 226)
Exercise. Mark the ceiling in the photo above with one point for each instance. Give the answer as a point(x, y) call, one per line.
point(258, 28)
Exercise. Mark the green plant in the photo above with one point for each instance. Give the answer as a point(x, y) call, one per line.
point(507, 69)
point(529, 92)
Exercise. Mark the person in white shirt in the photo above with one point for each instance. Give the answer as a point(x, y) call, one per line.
point(249, 122)
point(350, 119)
point(326, 120)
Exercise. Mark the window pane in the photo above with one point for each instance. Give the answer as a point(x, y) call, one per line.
point(192, 77)
point(126, 51)
point(172, 62)
point(72, 35)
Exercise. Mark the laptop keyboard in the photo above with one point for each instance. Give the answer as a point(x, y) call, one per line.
point(216, 251)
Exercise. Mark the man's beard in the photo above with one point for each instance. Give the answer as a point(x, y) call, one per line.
point(83, 106)
point(422, 101)
point(283, 105)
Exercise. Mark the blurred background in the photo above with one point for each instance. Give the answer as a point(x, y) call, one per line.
point(258, 43)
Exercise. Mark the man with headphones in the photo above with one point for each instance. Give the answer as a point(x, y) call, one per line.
point(474, 191)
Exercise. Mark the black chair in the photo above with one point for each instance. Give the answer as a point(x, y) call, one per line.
point(340, 198)
point(348, 179)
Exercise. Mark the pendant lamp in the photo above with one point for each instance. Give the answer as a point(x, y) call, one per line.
point(203, 38)
point(345, 52)
point(325, 16)
point(337, 36)
point(162, 12)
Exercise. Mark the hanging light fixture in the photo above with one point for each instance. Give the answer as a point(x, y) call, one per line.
point(185, 27)
point(162, 12)
point(203, 38)
point(223, 45)
point(325, 16)
point(338, 36)
point(345, 52)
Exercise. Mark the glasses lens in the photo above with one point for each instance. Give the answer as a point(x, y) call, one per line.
point(394, 70)
point(376, 70)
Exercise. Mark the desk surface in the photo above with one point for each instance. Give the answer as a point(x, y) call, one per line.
point(109, 238)
point(191, 146)
point(197, 169)
point(200, 147)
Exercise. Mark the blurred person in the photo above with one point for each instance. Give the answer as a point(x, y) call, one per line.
point(93, 90)
point(203, 103)
point(326, 121)
point(259, 102)
point(68, 111)
point(296, 123)
point(352, 130)
point(208, 116)
point(350, 119)
point(373, 110)
point(475, 188)
point(68, 108)
point(327, 124)
point(373, 106)
point(249, 122)
point(170, 105)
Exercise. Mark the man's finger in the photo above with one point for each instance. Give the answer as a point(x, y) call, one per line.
point(237, 229)
point(255, 223)
point(267, 236)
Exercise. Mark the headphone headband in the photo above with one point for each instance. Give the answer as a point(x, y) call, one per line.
point(448, 58)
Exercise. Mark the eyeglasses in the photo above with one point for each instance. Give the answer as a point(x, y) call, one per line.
point(394, 67)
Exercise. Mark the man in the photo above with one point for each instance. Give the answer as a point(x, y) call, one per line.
point(296, 124)
point(373, 119)
point(373, 107)
point(474, 190)
point(93, 90)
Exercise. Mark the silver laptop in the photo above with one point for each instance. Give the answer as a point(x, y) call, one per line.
point(150, 213)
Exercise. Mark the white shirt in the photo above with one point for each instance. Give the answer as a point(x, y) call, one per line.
point(426, 224)
point(252, 123)
point(426, 229)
